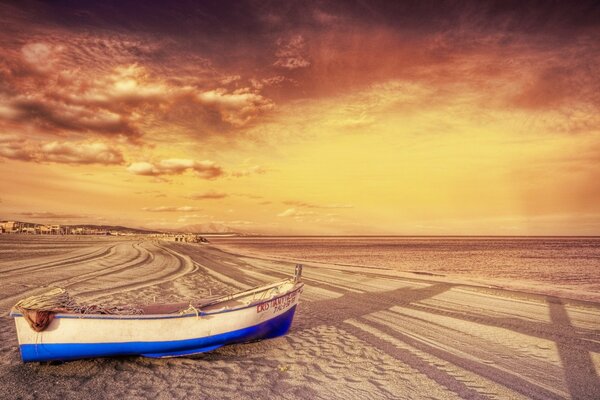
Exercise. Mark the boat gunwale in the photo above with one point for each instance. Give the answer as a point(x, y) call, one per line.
point(297, 287)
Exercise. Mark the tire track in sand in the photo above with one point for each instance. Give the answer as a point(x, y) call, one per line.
point(29, 269)
point(153, 273)
point(138, 258)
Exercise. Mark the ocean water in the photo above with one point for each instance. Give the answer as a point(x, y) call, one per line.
point(572, 264)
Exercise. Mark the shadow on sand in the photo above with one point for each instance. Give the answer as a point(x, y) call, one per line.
point(573, 346)
point(580, 374)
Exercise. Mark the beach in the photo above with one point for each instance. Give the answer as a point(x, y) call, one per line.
point(362, 330)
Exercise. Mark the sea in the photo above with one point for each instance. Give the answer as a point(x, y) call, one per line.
point(555, 265)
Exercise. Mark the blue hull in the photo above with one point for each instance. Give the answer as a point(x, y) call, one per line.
point(71, 351)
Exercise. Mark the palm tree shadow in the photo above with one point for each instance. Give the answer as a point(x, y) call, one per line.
point(354, 305)
point(581, 378)
point(580, 373)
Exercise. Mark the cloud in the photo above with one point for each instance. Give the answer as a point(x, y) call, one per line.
point(271, 81)
point(67, 152)
point(291, 54)
point(11, 138)
point(51, 215)
point(238, 107)
point(565, 82)
point(304, 204)
point(83, 100)
point(125, 85)
point(256, 169)
point(171, 209)
point(143, 168)
point(52, 114)
point(114, 89)
point(249, 196)
point(230, 79)
point(300, 210)
point(293, 212)
point(188, 217)
point(208, 196)
point(40, 56)
point(205, 169)
point(240, 222)
point(81, 153)
point(287, 213)
point(153, 193)
point(15, 148)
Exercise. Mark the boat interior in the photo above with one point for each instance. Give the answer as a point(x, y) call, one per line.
point(223, 303)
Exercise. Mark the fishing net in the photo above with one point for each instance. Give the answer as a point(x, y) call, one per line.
point(39, 310)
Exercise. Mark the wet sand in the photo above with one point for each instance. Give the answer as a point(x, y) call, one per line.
point(360, 332)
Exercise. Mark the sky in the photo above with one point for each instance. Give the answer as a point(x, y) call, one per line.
point(313, 117)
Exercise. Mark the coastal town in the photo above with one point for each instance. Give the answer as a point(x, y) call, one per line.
point(29, 228)
point(43, 229)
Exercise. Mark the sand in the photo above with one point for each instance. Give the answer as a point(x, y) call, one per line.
point(368, 333)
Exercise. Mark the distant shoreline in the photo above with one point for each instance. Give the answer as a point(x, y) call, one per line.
point(415, 236)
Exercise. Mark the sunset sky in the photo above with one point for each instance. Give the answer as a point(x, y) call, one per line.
point(326, 117)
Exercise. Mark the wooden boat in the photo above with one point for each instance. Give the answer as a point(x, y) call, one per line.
point(164, 330)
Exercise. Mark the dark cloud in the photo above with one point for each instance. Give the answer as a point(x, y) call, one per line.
point(121, 69)
point(50, 114)
point(557, 85)
point(246, 19)
point(124, 99)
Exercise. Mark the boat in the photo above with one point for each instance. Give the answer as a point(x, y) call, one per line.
point(156, 330)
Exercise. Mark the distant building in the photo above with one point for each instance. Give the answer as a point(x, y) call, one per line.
point(187, 238)
point(11, 227)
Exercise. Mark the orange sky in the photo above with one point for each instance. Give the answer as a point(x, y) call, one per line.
point(407, 118)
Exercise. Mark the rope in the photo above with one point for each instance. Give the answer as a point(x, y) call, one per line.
point(189, 310)
point(39, 310)
point(50, 301)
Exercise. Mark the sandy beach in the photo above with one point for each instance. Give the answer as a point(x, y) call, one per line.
point(360, 332)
